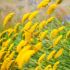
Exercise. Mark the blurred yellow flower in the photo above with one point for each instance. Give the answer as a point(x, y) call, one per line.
point(38, 46)
point(41, 58)
point(8, 17)
point(56, 41)
point(56, 65)
point(53, 33)
point(51, 55)
point(20, 45)
point(43, 3)
point(42, 35)
point(51, 8)
point(59, 53)
point(25, 16)
point(48, 67)
point(23, 57)
point(27, 26)
point(42, 25)
point(33, 15)
point(32, 29)
point(61, 28)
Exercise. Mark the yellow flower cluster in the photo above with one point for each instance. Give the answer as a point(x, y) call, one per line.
point(26, 45)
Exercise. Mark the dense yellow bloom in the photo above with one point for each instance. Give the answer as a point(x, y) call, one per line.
point(42, 24)
point(6, 43)
point(20, 45)
point(48, 67)
point(27, 25)
point(53, 33)
point(8, 17)
point(56, 65)
point(67, 34)
point(9, 64)
point(32, 29)
point(27, 36)
point(7, 60)
point(42, 35)
point(41, 58)
point(33, 14)
point(61, 28)
point(23, 57)
point(56, 41)
point(50, 19)
point(51, 55)
point(38, 46)
point(59, 53)
point(27, 47)
point(11, 55)
point(43, 3)
point(7, 54)
point(25, 16)
point(52, 8)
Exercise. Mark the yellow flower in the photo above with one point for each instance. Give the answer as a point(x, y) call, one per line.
point(52, 8)
point(11, 55)
point(59, 53)
point(10, 47)
point(27, 25)
point(33, 14)
point(41, 58)
point(6, 43)
point(10, 31)
point(42, 35)
point(2, 53)
point(16, 27)
point(67, 34)
point(7, 60)
point(58, 1)
point(38, 46)
point(56, 41)
point(42, 24)
point(51, 55)
point(61, 28)
point(1, 34)
point(20, 45)
point(27, 47)
point(32, 29)
point(56, 65)
point(48, 67)
point(23, 57)
point(53, 33)
point(8, 17)
point(25, 16)
point(50, 19)
point(7, 54)
point(43, 4)
point(9, 64)
point(27, 36)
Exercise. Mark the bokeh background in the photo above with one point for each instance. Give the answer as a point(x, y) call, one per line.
point(20, 7)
